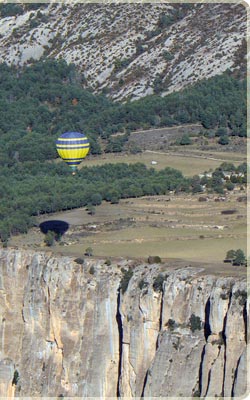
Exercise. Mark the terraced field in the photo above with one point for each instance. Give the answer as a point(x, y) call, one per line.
point(173, 227)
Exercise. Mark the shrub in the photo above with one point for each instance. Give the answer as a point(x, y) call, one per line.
point(229, 185)
point(185, 140)
point(195, 323)
point(158, 283)
point(230, 256)
point(9, 10)
point(89, 251)
point(91, 209)
point(197, 188)
point(240, 258)
point(168, 56)
point(154, 260)
point(92, 270)
point(224, 296)
point(127, 275)
point(202, 199)
point(96, 199)
point(241, 295)
point(79, 260)
point(223, 140)
point(142, 284)
point(49, 238)
point(221, 132)
point(171, 324)
point(236, 257)
point(242, 199)
point(197, 393)
point(15, 378)
point(228, 212)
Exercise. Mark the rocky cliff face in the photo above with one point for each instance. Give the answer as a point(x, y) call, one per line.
point(70, 329)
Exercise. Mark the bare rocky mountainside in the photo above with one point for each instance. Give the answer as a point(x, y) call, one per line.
point(129, 50)
point(89, 329)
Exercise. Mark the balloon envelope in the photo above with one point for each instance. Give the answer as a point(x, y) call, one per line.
point(72, 147)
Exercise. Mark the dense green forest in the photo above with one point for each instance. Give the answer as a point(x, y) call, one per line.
point(33, 188)
point(39, 102)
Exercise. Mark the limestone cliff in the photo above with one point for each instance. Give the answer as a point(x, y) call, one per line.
point(94, 330)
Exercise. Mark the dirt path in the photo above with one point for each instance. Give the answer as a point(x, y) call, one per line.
point(189, 155)
point(170, 128)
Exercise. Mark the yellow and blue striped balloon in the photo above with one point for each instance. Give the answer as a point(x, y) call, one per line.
point(72, 147)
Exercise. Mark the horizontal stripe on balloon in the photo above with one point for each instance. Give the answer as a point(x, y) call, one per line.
point(73, 153)
point(73, 162)
point(73, 159)
point(72, 146)
point(69, 146)
point(76, 141)
point(73, 139)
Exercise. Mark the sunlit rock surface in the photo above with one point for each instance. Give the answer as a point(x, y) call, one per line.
point(130, 50)
point(72, 329)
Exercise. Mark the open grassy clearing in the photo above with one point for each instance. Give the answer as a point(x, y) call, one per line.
point(174, 226)
point(189, 164)
point(208, 251)
point(223, 155)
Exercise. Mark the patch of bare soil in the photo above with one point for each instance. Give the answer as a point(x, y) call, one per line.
point(219, 269)
point(164, 139)
point(155, 139)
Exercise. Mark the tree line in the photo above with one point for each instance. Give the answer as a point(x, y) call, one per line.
point(224, 177)
point(33, 188)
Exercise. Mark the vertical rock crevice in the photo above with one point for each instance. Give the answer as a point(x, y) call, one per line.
point(245, 321)
point(200, 368)
point(144, 383)
point(160, 320)
point(223, 334)
point(207, 333)
point(161, 310)
point(120, 334)
point(207, 329)
point(235, 376)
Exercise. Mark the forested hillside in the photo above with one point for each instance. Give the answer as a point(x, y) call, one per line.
point(40, 102)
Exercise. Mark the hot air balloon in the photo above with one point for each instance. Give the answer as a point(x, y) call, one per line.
point(72, 147)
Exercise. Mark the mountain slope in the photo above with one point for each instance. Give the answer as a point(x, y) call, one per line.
point(129, 50)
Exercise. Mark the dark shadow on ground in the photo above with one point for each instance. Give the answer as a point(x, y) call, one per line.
point(56, 226)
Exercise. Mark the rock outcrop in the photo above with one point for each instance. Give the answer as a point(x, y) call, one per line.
point(129, 329)
point(129, 50)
